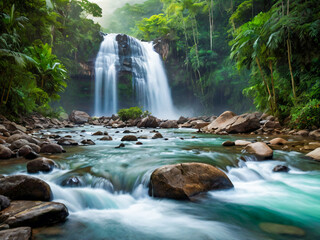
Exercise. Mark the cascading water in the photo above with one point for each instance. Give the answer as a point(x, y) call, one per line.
point(124, 55)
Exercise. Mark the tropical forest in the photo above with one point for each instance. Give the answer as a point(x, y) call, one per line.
point(159, 119)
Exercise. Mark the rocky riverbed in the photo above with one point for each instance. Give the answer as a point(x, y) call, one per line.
point(26, 200)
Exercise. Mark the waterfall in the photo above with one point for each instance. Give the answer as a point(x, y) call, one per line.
point(126, 62)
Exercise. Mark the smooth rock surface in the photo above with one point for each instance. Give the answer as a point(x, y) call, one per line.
point(41, 164)
point(4, 202)
point(315, 154)
point(278, 141)
point(79, 117)
point(35, 213)
point(129, 138)
point(5, 152)
point(182, 181)
point(22, 187)
point(261, 150)
point(21, 233)
point(51, 148)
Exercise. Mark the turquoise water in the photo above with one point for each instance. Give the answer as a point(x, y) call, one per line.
point(111, 200)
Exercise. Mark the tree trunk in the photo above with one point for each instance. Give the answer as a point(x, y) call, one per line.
point(272, 83)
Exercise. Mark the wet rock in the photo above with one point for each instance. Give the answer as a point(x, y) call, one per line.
point(149, 122)
point(121, 145)
point(21, 233)
point(275, 228)
point(129, 138)
point(35, 213)
point(31, 155)
point(261, 150)
point(51, 148)
point(182, 120)
point(242, 143)
point(67, 142)
point(88, 142)
point(99, 133)
point(72, 182)
point(41, 164)
point(5, 152)
point(303, 133)
point(79, 117)
point(106, 138)
point(182, 181)
point(25, 150)
point(315, 154)
point(280, 168)
point(139, 143)
point(157, 135)
point(228, 143)
point(22, 142)
point(4, 202)
point(143, 137)
point(22, 187)
point(2, 141)
point(315, 134)
point(278, 141)
point(169, 124)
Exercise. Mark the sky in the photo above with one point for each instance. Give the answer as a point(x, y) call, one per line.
point(108, 7)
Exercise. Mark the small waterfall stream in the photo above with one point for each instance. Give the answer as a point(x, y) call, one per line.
point(125, 55)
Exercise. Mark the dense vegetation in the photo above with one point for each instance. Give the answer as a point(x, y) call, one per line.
point(221, 50)
point(41, 44)
point(132, 113)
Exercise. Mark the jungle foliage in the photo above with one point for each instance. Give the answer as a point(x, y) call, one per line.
point(42, 43)
point(223, 51)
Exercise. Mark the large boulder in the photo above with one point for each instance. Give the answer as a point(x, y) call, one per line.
point(5, 152)
point(149, 122)
point(169, 124)
point(315, 154)
point(23, 142)
point(182, 181)
point(222, 121)
point(21, 233)
point(21, 187)
point(19, 136)
point(182, 120)
point(35, 213)
point(129, 138)
point(4, 202)
point(79, 117)
point(11, 126)
point(51, 148)
point(261, 150)
point(41, 164)
point(315, 134)
point(244, 123)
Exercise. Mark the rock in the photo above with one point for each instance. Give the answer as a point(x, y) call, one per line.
point(182, 120)
point(11, 126)
point(200, 125)
point(41, 164)
point(2, 141)
point(157, 135)
point(25, 150)
point(22, 187)
point(315, 134)
point(242, 143)
point(271, 124)
point(5, 152)
point(121, 145)
point(169, 124)
point(51, 148)
point(21, 233)
point(149, 122)
point(67, 142)
point(72, 182)
point(227, 143)
point(139, 143)
point(4, 202)
point(315, 154)
point(99, 133)
point(222, 121)
point(244, 123)
point(303, 133)
point(280, 168)
point(143, 137)
point(186, 125)
point(129, 138)
point(31, 155)
point(275, 228)
point(23, 142)
point(88, 142)
point(261, 150)
point(106, 138)
point(278, 141)
point(182, 181)
point(79, 117)
point(35, 213)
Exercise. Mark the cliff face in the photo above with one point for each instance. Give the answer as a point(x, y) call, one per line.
point(162, 46)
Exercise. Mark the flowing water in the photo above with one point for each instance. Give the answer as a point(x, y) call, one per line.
point(149, 81)
point(111, 200)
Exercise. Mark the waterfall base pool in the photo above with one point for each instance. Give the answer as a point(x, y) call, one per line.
point(108, 196)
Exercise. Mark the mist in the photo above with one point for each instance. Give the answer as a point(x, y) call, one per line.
point(108, 7)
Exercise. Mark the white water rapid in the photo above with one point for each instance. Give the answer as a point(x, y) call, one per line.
point(150, 87)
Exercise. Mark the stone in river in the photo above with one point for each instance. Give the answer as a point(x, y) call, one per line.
point(21, 233)
point(275, 228)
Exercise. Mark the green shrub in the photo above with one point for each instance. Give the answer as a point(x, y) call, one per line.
point(307, 116)
point(130, 113)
